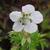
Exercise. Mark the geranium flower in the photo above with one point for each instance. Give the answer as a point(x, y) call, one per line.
point(26, 20)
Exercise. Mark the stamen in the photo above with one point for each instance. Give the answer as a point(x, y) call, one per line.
point(25, 19)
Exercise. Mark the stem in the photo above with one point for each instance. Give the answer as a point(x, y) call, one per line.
point(15, 48)
point(42, 46)
point(43, 35)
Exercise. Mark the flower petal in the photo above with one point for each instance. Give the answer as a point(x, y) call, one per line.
point(30, 28)
point(15, 15)
point(17, 27)
point(28, 9)
point(37, 17)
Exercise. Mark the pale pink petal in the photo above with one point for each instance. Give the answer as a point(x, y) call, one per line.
point(28, 8)
point(37, 17)
point(15, 15)
point(17, 27)
point(30, 28)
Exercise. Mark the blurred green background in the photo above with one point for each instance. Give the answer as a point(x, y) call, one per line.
point(6, 6)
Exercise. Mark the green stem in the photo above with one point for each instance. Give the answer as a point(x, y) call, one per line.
point(42, 46)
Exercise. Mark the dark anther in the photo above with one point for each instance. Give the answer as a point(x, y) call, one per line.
point(23, 23)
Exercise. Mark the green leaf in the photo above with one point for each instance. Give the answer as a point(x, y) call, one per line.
point(48, 35)
point(45, 25)
point(32, 46)
point(37, 39)
point(24, 47)
point(35, 36)
point(23, 41)
point(14, 48)
point(43, 43)
point(15, 38)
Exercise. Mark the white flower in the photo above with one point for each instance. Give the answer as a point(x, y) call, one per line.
point(26, 20)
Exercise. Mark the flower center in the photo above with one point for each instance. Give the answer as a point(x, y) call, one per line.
point(25, 19)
